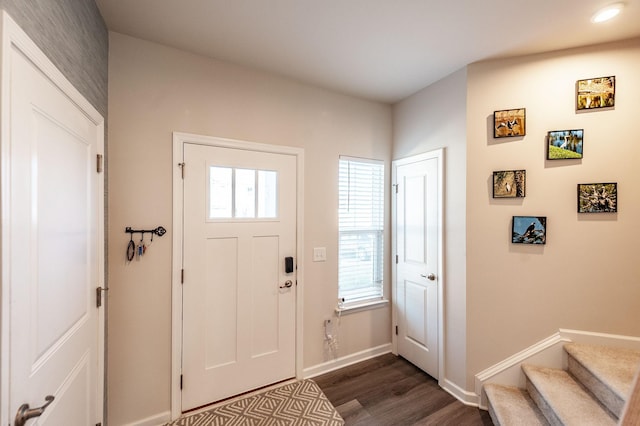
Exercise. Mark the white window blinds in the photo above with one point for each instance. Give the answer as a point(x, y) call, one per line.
point(360, 228)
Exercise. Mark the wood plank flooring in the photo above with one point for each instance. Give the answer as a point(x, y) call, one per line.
point(388, 390)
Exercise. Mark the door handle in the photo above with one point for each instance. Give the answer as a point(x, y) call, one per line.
point(430, 277)
point(25, 413)
point(287, 284)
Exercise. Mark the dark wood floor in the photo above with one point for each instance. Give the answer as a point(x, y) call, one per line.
point(388, 390)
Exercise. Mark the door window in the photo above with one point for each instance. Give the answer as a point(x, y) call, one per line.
point(240, 193)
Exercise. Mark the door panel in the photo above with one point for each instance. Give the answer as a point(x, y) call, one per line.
point(54, 262)
point(264, 296)
point(239, 225)
point(416, 218)
point(221, 302)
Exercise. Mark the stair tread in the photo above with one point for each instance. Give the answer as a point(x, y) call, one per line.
point(615, 367)
point(570, 402)
point(513, 406)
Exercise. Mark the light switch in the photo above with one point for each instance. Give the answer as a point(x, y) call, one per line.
point(319, 254)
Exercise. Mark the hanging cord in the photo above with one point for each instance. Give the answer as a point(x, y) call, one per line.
point(131, 249)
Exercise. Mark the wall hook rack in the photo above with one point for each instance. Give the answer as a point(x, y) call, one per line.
point(141, 247)
point(159, 231)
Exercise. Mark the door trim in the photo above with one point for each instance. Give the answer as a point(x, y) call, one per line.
point(439, 155)
point(179, 139)
point(13, 37)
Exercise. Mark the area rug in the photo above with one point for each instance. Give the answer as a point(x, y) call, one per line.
point(296, 404)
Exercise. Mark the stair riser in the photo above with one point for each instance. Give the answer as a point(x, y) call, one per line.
point(602, 392)
point(549, 414)
point(494, 416)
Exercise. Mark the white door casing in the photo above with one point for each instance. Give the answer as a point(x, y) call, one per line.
point(52, 240)
point(417, 275)
point(238, 329)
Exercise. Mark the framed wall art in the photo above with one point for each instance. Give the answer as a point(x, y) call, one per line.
point(597, 197)
point(565, 144)
point(596, 93)
point(529, 230)
point(509, 183)
point(509, 123)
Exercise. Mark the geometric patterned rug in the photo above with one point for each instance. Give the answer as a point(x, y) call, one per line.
point(297, 404)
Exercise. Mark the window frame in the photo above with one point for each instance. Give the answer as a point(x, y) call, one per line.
point(368, 231)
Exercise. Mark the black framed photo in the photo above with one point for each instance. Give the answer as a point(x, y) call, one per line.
point(529, 230)
point(565, 144)
point(597, 92)
point(509, 123)
point(509, 183)
point(598, 197)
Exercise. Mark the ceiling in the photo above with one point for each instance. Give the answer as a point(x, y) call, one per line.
point(383, 50)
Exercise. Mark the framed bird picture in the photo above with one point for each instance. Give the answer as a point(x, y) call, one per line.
point(529, 230)
point(509, 183)
point(596, 93)
point(598, 197)
point(565, 144)
point(509, 123)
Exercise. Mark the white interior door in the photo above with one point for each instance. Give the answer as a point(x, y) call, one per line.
point(51, 248)
point(416, 285)
point(238, 298)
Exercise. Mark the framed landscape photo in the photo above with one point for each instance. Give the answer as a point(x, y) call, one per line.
point(529, 230)
point(596, 93)
point(565, 144)
point(598, 197)
point(509, 123)
point(509, 183)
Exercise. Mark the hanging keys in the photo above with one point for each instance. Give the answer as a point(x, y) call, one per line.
point(138, 250)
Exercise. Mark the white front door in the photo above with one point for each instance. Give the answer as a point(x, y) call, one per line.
point(239, 299)
point(52, 247)
point(417, 279)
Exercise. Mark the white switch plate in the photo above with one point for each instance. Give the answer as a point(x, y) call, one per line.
point(319, 254)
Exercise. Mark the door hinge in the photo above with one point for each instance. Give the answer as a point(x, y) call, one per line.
point(396, 259)
point(396, 330)
point(181, 382)
point(396, 186)
point(99, 291)
point(182, 276)
point(99, 160)
point(182, 165)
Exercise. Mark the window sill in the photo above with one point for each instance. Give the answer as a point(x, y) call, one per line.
point(361, 306)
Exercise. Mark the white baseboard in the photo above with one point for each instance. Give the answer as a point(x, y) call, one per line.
point(548, 352)
point(466, 397)
point(345, 361)
point(156, 420)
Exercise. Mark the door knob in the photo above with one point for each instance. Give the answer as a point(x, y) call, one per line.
point(287, 284)
point(430, 277)
point(25, 413)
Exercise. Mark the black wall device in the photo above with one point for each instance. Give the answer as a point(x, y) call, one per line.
point(288, 265)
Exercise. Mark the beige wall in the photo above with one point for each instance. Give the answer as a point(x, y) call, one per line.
point(434, 118)
point(587, 276)
point(500, 297)
point(155, 90)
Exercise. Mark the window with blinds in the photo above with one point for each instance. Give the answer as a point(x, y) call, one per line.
point(360, 228)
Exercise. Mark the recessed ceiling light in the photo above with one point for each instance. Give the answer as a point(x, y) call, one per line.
point(607, 13)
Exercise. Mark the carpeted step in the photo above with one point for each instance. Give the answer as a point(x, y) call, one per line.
point(510, 406)
point(562, 400)
point(607, 372)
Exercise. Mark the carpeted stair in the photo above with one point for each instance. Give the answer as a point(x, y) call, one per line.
point(592, 391)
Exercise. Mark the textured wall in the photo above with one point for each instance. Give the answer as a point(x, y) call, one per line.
point(74, 36)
